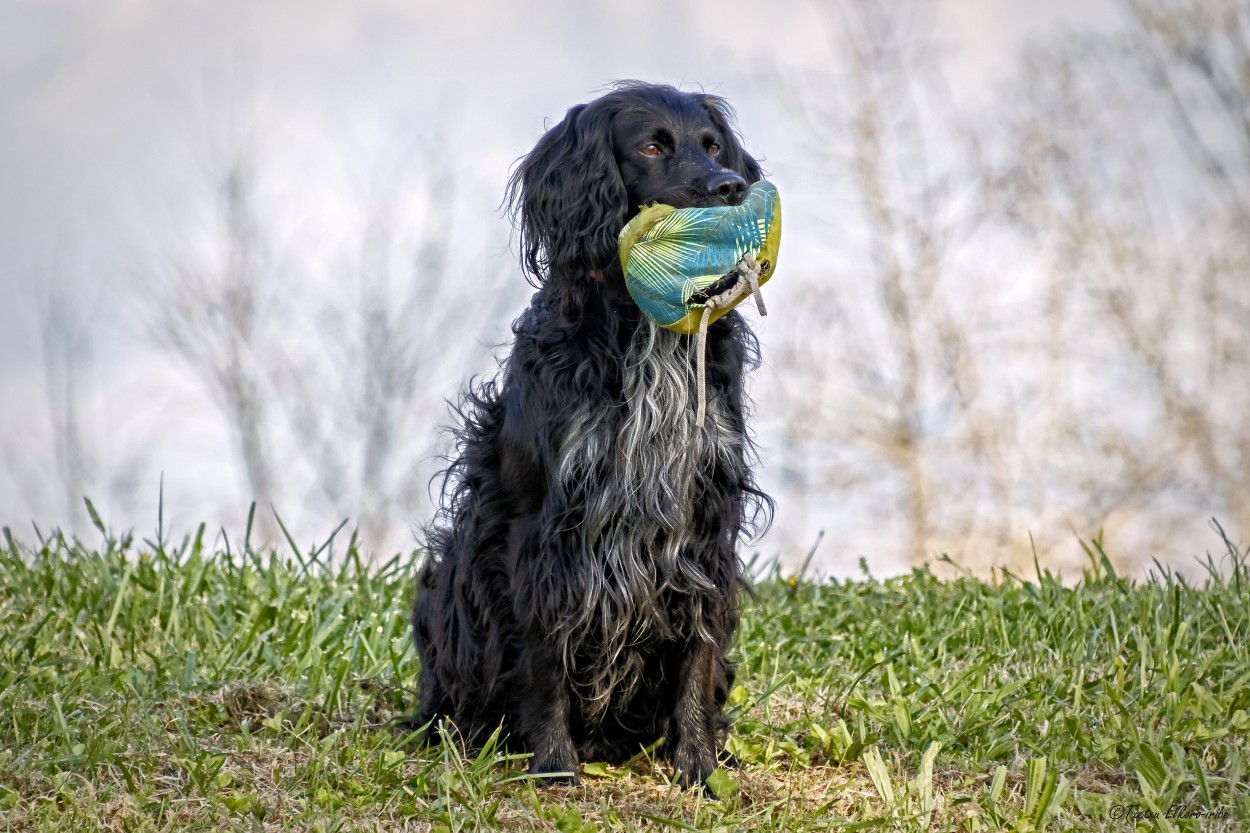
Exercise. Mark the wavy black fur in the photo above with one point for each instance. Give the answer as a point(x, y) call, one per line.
point(581, 581)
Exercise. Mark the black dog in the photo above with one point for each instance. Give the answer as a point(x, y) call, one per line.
point(581, 580)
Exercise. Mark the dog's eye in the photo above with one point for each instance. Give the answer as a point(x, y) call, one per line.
point(651, 149)
point(713, 149)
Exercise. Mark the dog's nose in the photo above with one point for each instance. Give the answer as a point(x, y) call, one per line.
point(727, 187)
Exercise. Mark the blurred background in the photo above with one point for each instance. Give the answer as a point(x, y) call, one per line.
point(253, 248)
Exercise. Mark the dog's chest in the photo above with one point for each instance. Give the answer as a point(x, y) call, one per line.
point(633, 477)
point(639, 469)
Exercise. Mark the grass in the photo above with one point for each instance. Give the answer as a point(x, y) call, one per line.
point(192, 685)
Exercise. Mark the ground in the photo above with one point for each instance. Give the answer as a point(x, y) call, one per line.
point(201, 685)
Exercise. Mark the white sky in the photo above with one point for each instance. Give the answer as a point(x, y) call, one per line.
point(104, 106)
point(107, 108)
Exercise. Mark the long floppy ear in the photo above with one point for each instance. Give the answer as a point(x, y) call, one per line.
point(732, 154)
point(567, 197)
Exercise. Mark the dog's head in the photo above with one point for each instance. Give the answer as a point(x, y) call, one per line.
point(639, 144)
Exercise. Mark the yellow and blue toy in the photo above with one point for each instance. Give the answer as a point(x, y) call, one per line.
point(670, 256)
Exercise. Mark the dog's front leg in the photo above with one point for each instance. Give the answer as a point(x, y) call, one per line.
point(544, 713)
point(692, 736)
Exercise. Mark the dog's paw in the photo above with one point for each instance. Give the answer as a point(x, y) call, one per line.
point(560, 780)
point(554, 773)
point(419, 730)
point(692, 768)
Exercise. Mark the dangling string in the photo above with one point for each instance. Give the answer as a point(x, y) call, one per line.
point(752, 272)
point(748, 281)
point(702, 351)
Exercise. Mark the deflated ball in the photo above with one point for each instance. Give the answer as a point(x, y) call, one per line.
point(672, 257)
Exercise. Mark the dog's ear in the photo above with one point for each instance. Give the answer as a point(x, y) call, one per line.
point(732, 154)
point(567, 198)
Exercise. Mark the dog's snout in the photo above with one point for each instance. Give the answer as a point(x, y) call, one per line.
point(727, 187)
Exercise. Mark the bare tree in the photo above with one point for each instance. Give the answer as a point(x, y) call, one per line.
point(1032, 325)
point(210, 314)
point(67, 337)
point(407, 321)
point(1130, 168)
point(883, 388)
point(327, 364)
